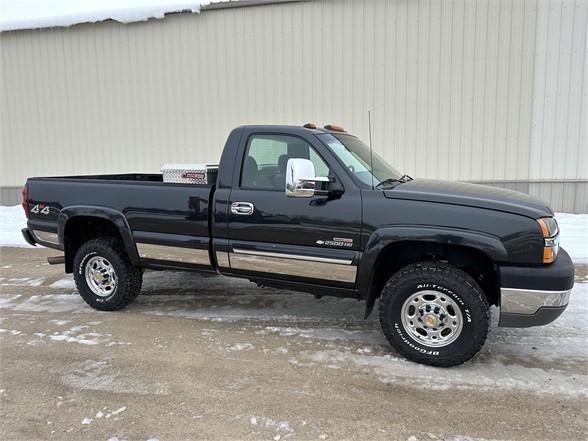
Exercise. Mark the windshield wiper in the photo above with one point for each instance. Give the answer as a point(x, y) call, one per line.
point(400, 180)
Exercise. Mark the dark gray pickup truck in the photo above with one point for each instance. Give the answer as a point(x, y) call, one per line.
point(311, 210)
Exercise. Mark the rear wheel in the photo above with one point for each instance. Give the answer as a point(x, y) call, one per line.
point(435, 314)
point(105, 277)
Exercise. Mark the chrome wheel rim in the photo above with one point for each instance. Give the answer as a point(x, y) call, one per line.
point(100, 276)
point(432, 318)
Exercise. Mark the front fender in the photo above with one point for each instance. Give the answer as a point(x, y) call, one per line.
point(116, 217)
point(383, 237)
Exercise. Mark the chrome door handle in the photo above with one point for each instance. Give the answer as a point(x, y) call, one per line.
point(242, 208)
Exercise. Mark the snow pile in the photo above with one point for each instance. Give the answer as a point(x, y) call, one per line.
point(32, 14)
point(12, 220)
point(66, 283)
point(574, 235)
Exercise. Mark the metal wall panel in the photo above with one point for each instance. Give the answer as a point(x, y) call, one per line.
point(560, 113)
point(474, 90)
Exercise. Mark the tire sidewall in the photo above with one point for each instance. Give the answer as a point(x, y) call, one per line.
point(84, 288)
point(462, 297)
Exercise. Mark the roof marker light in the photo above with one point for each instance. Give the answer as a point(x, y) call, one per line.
point(335, 128)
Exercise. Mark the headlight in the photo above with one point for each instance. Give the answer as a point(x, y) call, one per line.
point(550, 231)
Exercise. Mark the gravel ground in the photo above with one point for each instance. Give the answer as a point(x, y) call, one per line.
point(216, 358)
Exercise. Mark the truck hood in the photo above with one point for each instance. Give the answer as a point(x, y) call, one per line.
point(473, 195)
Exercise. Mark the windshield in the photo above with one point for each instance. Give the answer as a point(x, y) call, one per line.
point(356, 157)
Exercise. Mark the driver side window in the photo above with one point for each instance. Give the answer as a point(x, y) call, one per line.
point(266, 157)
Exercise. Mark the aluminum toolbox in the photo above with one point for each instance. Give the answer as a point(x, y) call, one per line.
point(189, 173)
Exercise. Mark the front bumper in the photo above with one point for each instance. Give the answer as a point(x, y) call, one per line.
point(534, 296)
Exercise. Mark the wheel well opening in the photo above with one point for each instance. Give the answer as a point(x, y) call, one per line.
point(470, 260)
point(81, 229)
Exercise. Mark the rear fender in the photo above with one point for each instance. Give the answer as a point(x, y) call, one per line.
point(115, 217)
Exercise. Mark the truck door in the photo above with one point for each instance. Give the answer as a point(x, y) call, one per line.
point(312, 240)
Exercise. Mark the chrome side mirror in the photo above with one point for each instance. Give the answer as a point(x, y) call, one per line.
point(300, 178)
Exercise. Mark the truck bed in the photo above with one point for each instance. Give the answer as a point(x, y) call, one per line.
point(158, 213)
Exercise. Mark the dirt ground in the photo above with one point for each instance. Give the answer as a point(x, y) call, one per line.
point(220, 359)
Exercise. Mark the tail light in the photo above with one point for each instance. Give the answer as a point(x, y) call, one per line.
point(25, 203)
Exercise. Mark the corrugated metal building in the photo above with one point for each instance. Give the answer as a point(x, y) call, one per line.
point(487, 91)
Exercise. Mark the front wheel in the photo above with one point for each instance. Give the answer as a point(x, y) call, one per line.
point(435, 314)
point(105, 277)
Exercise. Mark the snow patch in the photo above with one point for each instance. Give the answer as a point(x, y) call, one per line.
point(180, 280)
point(32, 14)
point(330, 334)
point(67, 283)
point(87, 421)
point(21, 281)
point(574, 235)
point(479, 374)
point(116, 412)
point(432, 437)
point(12, 219)
point(84, 339)
point(100, 376)
point(75, 334)
point(250, 304)
point(240, 347)
point(279, 426)
point(46, 303)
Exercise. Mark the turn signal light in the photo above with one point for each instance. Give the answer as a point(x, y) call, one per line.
point(549, 254)
point(550, 232)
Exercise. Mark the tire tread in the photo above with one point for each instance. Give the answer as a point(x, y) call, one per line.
point(129, 276)
point(480, 309)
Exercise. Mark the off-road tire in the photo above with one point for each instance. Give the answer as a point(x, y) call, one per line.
point(457, 285)
point(129, 276)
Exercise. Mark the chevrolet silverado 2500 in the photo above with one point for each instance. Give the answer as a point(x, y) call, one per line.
point(311, 210)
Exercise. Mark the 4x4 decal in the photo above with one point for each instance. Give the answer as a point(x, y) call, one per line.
point(40, 208)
